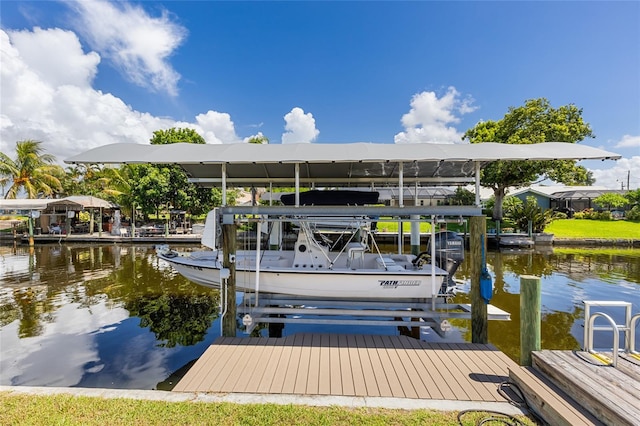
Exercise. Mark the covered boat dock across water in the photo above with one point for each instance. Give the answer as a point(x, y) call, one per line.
point(367, 165)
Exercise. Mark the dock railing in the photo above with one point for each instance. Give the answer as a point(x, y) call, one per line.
point(628, 327)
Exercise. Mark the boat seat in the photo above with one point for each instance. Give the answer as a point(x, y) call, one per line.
point(353, 250)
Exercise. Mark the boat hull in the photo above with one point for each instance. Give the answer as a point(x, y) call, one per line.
point(339, 282)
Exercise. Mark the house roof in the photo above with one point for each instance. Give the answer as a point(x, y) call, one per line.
point(346, 164)
point(549, 190)
point(24, 204)
point(78, 202)
point(75, 202)
point(577, 194)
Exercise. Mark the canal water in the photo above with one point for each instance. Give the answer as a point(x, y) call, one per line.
point(115, 316)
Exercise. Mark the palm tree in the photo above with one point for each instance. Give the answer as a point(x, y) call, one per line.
point(32, 171)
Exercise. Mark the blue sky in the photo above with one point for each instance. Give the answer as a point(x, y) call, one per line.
point(81, 74)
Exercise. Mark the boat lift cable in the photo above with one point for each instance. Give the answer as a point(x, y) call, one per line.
point(258, 259)
point(375, 244)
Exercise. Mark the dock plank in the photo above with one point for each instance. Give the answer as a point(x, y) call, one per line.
point(269, 373)
point(313, 381)
point(335, 377)
point(324, 382)
point(277, 382)
point(389, 368)
point(302, 376)
point(548, 401)
point(413, 374)
point(370, 379)
point(605, 391)
point(262, 364)
point(346, 371)
point(357, 373)
point(456, 380)
point(349, 365)
point(435, 372)
point(289, 383)
point(473, 373)
point(197, 372)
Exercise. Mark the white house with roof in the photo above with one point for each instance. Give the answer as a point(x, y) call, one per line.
point(563, 197)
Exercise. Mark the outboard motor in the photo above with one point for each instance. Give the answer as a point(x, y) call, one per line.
point(449, 255)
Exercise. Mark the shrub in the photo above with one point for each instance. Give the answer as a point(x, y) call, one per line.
point(606, 215)
point(633, 214)
point(529, 211)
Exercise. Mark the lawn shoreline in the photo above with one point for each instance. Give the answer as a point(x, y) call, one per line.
point(241, 398)
point(596, 242)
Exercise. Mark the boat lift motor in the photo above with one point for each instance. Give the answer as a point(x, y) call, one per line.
point(449, 255)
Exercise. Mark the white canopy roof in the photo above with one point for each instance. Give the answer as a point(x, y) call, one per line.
point(74, 202)
point(351, 164)
point(81, 202)
point(24, 204)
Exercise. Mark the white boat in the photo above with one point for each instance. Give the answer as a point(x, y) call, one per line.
point(312, 270)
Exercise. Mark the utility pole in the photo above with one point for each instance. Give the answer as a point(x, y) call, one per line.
point(628, 178)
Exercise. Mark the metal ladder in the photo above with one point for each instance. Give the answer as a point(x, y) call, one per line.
point(629, 327)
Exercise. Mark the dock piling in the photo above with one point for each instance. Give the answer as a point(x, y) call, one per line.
point(479, 315)
point(228, 261)
point(530, 306)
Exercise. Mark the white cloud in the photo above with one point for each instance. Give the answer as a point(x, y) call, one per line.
point(300, 127)
point(629, 141)
point(62, 111)
point(41, 50)
point(40, 101)
point(217, 127)
point(430, 118)
point(138, 44)
point(616, 176)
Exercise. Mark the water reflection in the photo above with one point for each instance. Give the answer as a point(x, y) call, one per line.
point(568, 277)
point(111, 316)
point(115, 316)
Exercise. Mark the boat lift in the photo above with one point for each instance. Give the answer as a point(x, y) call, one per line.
point(276, 310)
point(331, 165)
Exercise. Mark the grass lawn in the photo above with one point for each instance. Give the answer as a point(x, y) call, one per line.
point(584, 228)
point(71, 410)
point(392, 226)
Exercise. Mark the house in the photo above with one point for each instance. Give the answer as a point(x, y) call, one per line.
point(563, 198)
point(56, 215)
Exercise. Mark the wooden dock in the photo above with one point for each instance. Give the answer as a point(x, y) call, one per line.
point(612, 394)
point(350, 365)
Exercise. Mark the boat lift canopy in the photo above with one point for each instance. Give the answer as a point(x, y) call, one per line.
point(323, 164)
point(352, 164)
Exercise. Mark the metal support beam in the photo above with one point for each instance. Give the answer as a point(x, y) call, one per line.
point(224, 184)
point(407, 211)
point(477, 181)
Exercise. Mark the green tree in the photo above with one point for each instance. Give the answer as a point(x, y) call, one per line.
point(611, 200)
point(32, 171)
point(259, 139)
point(92, 179)
point(153, 187)
point(634, 197)
point(463, 197)
point(534, 122)
point(176, 135)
